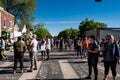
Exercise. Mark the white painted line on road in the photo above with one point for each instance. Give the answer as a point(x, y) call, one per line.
point(5, 64)
point(31, 75)
point(67, 70)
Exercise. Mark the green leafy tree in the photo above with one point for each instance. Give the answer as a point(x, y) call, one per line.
point(87, 25)
point(42, 32)
point(29, 26)
point(22, 9)
point(68, 33)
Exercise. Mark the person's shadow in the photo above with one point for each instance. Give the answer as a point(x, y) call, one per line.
point(6, 72)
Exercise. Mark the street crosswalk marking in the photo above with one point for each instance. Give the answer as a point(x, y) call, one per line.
point(5, 64)
point(67, 70)
point(31, 75)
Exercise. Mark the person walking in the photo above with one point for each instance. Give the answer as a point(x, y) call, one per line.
point(48, 47)
point(33, 53)
point(111, 56)
point(92, 57)
point(19, 49)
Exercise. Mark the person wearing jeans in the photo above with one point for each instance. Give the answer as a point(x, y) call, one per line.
point(79, 49)
point(33, 53)
point(33, 59)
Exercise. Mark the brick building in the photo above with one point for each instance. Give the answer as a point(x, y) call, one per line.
point(6, 22)
point(101, 33)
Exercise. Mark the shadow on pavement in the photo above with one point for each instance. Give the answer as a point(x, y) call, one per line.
point(6, 72)
point(61, 58)
point(58, 79)
point(76, 62)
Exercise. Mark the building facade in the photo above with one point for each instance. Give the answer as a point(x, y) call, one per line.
point(6, 22)
point(101, 33)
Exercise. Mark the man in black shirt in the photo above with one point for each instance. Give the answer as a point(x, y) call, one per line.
point(92, 57)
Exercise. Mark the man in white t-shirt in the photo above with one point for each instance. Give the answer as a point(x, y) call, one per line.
point(33, 53)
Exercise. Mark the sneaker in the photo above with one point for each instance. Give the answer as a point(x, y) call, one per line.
point(30, 70)
point(88, 77)
point(35, 68)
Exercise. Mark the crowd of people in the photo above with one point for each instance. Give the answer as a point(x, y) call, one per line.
point(32, 46)
point(85, 48)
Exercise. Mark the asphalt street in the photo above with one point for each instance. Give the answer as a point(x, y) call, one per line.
point(62, 65)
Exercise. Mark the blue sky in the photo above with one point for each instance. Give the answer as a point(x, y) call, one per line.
point(62, 14)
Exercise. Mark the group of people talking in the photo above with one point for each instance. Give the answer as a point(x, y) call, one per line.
point(20, 48)
point(111, 56)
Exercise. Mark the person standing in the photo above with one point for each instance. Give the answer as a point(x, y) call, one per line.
point(66, 44)
point(70, 43)
point(43, 50)
point(111, 56)
point(2, 49)
point(19, 49)
point(61, 44)
point(33, 53)
point(79, 48)
point(52, 43)
point(85, 47)
point(92, 57)
point(48, 47)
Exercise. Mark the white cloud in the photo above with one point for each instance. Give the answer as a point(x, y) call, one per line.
point(59, 22)
point(62, 22)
